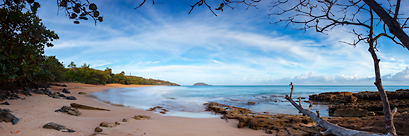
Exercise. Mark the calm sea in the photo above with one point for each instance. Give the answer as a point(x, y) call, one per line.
point(187, 101)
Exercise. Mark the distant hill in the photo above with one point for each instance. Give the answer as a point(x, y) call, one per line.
point(151, 81)
point(201, 84)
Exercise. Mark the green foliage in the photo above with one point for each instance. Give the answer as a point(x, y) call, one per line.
point(23, 38)
point(87, 75)
point(54, 68)
point(77, 10)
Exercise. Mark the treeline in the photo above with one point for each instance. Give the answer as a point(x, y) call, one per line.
point(87, 75)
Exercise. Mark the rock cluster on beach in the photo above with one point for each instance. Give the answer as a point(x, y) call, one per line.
point(282, 124)
point(347, 104)
point(106, 125)
point(160, 109)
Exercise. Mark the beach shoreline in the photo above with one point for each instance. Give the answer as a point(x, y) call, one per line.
point(37, 110)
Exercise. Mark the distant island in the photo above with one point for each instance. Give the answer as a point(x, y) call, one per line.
point(201, 84)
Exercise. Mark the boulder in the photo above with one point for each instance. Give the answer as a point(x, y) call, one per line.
point(5, 103)
point(349, 112)
point(6, 116)
point(47, 91)
point(98, 129)
point(52, 125)
point(65, 91)
point(62, 95)
point(107, 124)
point(71, 98)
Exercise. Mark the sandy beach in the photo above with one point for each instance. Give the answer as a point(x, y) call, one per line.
point(37, 110)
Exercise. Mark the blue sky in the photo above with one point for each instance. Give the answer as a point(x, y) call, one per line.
point(238, 47)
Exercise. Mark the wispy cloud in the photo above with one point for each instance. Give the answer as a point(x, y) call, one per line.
point(237, 47)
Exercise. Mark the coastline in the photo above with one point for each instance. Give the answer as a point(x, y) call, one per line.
point(37, 110)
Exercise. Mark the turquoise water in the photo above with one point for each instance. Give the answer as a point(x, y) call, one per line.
point(187, 101)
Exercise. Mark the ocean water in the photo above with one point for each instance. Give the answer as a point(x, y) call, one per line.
point(188, 101)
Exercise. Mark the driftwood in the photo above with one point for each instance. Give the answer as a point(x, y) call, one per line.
point(330, 128)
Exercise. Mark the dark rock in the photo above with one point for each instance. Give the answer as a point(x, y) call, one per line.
point(81, 93)
point(5, 103)
point(69, 131)
point(6, 116)
point(98, 129)
point(62, 95)
point(126, 119)
point(65, 91)
point(71, 98)
point(27, 91)
point(55, 95)
point(14, 96)
point(80, 106)
point(69, 110)
point(141, 117)
point(107, 124)
point(47, 91)
point(38, 91)
point(52, 125)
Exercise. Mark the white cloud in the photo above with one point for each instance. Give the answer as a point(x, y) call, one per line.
point(218, 50)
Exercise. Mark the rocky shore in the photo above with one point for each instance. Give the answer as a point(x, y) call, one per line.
point(359, 111)
point(347, 104)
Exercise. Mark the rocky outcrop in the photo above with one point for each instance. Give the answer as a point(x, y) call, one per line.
point(362, 101)
point(284, 124)
point(52, 125)
point(349, 97)
point(6, 116)
point(279, 124)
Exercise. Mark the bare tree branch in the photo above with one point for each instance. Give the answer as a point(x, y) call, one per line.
point(330, 128)
point(393, 24)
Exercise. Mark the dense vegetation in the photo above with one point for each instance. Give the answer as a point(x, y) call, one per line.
point(22, 43)
point(87, 75)
point(23, 38)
